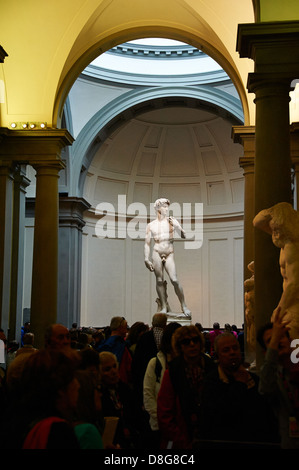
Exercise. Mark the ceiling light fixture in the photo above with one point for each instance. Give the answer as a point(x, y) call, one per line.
point(28, 125)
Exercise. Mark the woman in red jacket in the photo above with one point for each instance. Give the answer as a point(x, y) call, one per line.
point(180, 392)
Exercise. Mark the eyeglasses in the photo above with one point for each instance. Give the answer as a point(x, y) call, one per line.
point(187, 341)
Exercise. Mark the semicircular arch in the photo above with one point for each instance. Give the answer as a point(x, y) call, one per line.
point(224, 59)
point(133, 103)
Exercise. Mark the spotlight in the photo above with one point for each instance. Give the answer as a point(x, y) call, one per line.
point(28, 125)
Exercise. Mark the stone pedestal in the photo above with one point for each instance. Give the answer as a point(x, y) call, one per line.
point(179, 318)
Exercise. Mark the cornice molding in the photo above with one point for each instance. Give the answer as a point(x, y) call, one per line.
point(156, 52)
point(115, 77)
point(36, 147)
point(274, 34)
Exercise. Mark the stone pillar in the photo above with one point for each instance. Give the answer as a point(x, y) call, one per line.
point(5, 230)
point(272, 184)
point(16, 287)
point(45, 249)
point(6, 217)
point(41, 149)
point(71, 223)
point(274, 47)
point(245, 135)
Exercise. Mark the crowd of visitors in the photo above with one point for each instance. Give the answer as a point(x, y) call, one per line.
point(163, 386)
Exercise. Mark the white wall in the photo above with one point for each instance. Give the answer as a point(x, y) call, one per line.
point(115, 280)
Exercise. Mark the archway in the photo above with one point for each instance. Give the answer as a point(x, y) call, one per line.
point(222, 58)
point(137, 102)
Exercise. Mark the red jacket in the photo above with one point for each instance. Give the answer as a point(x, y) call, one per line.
point(172, 424)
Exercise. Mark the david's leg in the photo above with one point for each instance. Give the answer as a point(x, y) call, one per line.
point(161, 291)
point(170, 268)
point(160, 286)
point(180, 293)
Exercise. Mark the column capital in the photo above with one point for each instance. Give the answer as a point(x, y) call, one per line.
point(71, 211)
point(20, 177)
point(247, 163)
point(33, 147)
point(270, 83)
point(48, 166)
point(240, 134)
point(7, 168)
point(274, 46)
point(245, 135)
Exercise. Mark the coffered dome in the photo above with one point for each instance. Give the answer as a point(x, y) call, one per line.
point(184, 154)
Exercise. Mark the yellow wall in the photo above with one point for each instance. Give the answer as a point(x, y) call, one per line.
point(49, 43)
point(37, 37)
point(279, 10)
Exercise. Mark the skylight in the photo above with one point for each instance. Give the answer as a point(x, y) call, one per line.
point(157, 42)
point(151, 58)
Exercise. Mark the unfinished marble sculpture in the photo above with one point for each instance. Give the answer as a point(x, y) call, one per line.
point(162, 231)
point(281, 221)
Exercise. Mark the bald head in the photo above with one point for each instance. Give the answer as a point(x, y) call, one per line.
point(57, 336)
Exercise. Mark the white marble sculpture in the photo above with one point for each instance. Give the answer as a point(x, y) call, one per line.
point(162, 230)
point(281, 221)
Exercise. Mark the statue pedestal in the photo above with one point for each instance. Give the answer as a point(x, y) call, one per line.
point(179, 317)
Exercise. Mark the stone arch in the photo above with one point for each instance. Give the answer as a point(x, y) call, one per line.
point(135, 102)
point(98, 47)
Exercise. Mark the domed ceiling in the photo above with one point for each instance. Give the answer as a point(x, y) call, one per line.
point(180, 149)
point(184, 154)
